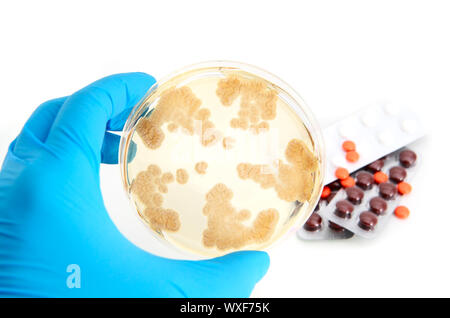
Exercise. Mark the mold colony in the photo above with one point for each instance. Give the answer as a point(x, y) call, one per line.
point(210, 116)
point(258, 102)
point(149, 186)
point(291, 181)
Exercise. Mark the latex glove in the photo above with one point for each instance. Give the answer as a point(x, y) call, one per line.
point(52, 212)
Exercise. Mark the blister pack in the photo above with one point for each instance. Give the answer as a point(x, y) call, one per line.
point(318, 227)
point(365, 207)
point(376, 130)
point(362, 191)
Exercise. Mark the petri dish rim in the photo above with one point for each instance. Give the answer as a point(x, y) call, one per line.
point(299, 106)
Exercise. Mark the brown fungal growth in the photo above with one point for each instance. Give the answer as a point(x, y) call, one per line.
point(172, 127)
point(143, 187)
point(205, 128)
point(294, 180)
point(225, 229)
point(228, 89)
point(151, 135)
point(146, 186)
point(258, 102)
point(154, 170)
point(201, 167)
point(157, 199)
point(167, 178)
point(259, 128)
point(239, 123)
point(258, 173)
point(208, 134)
point(182, 176)
point(203, 114)
point(163, 188)
point(176, 107)
point(294, 183)
point(243, 215)
point(300, 156)
point(228, 142)
point(162, 219)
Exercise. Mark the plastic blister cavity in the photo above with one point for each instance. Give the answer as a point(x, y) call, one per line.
point(318, 227)
point(377, 131)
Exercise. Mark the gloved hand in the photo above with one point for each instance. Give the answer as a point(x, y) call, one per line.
point(52, 212)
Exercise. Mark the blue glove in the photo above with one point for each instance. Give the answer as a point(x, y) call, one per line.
point(56, 237)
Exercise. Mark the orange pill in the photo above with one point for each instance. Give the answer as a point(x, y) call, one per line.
point(380, 177)
point(348, 145)
point(348, 182)
point(325, 192)
point(341, 173)
point(402, 212)
point(352, 156)
point(404, 187)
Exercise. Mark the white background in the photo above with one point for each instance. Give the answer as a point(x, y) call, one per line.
point(339, 55)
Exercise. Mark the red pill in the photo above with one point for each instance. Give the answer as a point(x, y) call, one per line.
point(404, 188)
point(348, 145)
point(352, 156)
point(380, 177)
point(325, 192)
point(402, 212)
point(341, 173)
point(348, 182)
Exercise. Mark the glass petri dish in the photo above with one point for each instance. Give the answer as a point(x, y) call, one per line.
point(221, 156)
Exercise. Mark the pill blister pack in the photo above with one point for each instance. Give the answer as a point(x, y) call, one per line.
point(365, 208)
point(318, 227)
point(368, 171)
point(377, 130)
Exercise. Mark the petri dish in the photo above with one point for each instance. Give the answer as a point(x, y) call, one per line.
point(221, 156)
